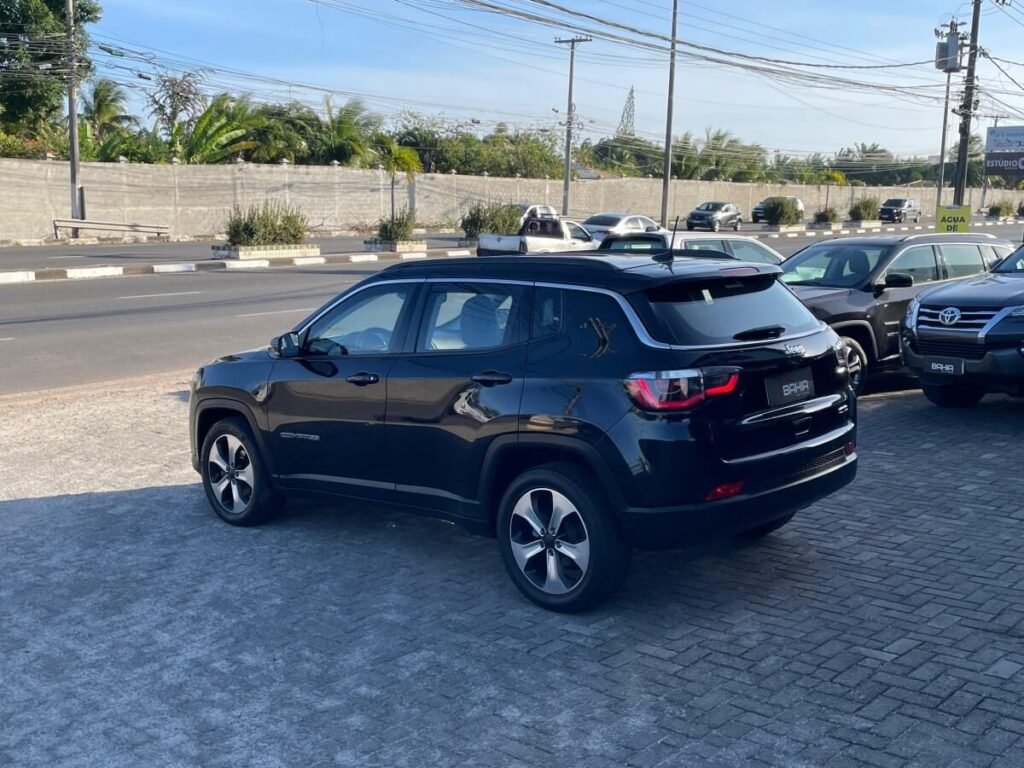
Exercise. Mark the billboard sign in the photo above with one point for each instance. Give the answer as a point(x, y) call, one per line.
point(1005, 164)
point(1005, 138)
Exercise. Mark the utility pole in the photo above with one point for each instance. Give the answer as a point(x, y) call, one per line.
point(966, 110)
point(667, 173)
point(948, 60)
point(570, 117)
point(76, 196)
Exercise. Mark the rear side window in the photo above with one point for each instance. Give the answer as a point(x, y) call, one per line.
point(744, 250)
point(726, 311)
point(962, 260)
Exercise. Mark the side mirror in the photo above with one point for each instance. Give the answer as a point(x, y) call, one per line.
point(286, 345)
point(899, 280)
point(651, 228)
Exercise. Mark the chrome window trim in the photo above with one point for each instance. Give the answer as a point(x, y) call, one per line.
point(634, 319)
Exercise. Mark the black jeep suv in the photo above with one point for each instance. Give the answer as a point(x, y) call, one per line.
point(900, 209)
point(861, 286)
point(572, 406)
point(967, 339)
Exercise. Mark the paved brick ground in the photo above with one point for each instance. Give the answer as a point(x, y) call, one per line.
point(884, 627)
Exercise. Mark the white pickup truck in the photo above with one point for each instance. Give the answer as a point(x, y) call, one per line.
point(539, 236)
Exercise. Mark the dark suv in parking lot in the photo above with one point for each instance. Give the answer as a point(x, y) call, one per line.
point(900, 209)
point(575, 407)
point(967, 339)
point(861, 286)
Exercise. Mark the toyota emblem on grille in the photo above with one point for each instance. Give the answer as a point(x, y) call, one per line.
point(949, 316)
point(796, 350)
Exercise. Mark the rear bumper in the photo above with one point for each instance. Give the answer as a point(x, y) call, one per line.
point(1000, 370)
point(671, 527)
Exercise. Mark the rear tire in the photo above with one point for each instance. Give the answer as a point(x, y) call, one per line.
point(559, 539)
point(234, 476)
point(716, 225)
point(953, 395)
point(763, 530)
point(857, 364)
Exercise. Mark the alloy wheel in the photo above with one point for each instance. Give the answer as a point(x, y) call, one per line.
point(855, 366)
point(231, 474)
point(549, 541)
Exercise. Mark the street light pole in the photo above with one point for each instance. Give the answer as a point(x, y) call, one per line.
point(667, 172)
point(76, 198)
point(570, 116)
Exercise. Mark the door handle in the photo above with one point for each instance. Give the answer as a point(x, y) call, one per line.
point(362, 378)
point(492, 378)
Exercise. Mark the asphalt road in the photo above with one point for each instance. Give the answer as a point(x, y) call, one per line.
point(62, 333)
point(73, 332)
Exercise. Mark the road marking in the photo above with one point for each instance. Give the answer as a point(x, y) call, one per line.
point(183, 267)
point(160, 295)
point(86, 272)
point(248, 264)
point(9, 338)
point(278, 312)
point(357, 257)
point(71, 256)
point(17, 277)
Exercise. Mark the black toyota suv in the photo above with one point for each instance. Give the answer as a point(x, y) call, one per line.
point(861, 286)
point(574, 407)
point(967, 339)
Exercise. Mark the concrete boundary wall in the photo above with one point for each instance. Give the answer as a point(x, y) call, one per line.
point(195, 200)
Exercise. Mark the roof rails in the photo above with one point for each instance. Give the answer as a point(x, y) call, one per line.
point(988, 235)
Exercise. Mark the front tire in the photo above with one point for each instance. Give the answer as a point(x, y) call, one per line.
point(717, 225)
point(689, 227)
point(234, 476)
point(737, 225)
point(559, 539)
point(953, 395)
point(856, 364)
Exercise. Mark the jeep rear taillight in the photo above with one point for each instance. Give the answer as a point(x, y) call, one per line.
point(681, 390)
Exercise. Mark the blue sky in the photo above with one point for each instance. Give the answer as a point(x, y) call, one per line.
point(438, 57)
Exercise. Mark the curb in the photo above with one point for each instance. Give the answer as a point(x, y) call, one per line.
point(132, 270)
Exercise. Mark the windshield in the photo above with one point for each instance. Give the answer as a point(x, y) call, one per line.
point(894, 202)
point(833, 265)
point(710, 206)
point(602, 221)
point(720, 311)
point(1012, 264)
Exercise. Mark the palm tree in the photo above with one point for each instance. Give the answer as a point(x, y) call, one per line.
point(395, 159)
point(219, 132)
point(105, 110)
point(342, 135)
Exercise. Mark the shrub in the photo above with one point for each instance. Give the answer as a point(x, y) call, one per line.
point(826, 216)
point(865, 209)
point(267, 224)
point(397, 227)
point(492, 219)
point(1020, 210)
point(1001, 208)
point(782, 211)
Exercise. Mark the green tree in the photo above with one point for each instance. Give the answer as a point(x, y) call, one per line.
point(33, 62)
point(105, 110)
point(343, 134)
point(220, 131)
point(395, 159)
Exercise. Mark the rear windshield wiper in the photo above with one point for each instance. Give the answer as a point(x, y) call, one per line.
point(764, 332)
